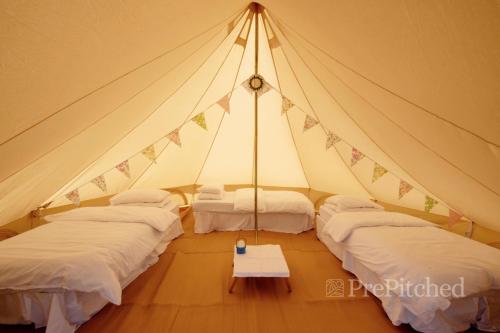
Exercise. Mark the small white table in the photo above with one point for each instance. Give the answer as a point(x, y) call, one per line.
point(260, 261)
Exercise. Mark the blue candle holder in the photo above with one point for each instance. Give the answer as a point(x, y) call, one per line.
point(241, 246)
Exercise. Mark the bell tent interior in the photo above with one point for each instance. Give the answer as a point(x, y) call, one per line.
point(392, 103)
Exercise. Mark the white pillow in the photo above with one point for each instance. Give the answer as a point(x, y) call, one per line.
point(215, 189)
point(345, 202)
point(149, 204)
point(139, 196)
point(210, 196)
point(336, 209)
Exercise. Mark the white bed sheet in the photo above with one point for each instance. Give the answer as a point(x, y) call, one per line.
point(457, 317)
point(229, 221)
point(326, 212)
point(62, 310)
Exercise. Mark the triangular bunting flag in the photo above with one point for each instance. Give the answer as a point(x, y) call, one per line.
point(309, 122)
point(331, 139)
point(175, 137)
point(124, 168)
point(150, 153)
point(378, 171)
point(241, 41)
point(404, 188)
point(429, 203)
point(356, 156)
point(453, 218)
point(200, 120)
point(224, 103)
point(100, 182)
point(286, 104)
point(74, 197)
point(274, 43)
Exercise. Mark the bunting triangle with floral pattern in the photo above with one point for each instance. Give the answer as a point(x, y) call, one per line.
point(331, 139)
point(309, 122)
point(224, 103)
point(175, 137)
point(199, 119)
point(404, 188)
point(429, 203)
point(124, 168)
point(150, 153)
point(286, 104)
point(100, 182)
point(356, 156)
point(74, 197)
point(378, 171)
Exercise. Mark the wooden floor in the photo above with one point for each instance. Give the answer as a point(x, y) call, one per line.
point(187, 291)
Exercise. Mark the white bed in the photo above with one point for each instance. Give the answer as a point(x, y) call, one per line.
point(363, 253)
point(58, 275)
point(280, 211)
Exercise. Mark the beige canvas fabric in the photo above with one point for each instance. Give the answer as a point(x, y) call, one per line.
point(413, 86)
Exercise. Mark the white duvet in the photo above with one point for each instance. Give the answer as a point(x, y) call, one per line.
point(411, 250)
point(87, 250)
point(273, 202)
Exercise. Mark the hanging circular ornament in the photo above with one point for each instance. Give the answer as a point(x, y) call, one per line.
point(256, 82)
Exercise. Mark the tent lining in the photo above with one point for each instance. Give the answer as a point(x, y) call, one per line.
point(159, 105)
point(314, 112)
point(279, 90)
point(149, 85)
point(419, 107)
point(384, 115)
point(229, 18)
point(347, 113)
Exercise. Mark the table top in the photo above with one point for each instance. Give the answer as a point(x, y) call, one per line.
point(260, 261)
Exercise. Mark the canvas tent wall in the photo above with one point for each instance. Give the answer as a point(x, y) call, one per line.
point(411, 88)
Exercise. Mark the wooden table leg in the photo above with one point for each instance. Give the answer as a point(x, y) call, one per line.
point(287, 282)
point(232, 285)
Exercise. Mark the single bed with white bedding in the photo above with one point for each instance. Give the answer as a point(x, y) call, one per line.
point(59, 274)
point(280, 211)
point(390, 249)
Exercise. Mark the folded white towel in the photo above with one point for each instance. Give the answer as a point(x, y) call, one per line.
point(212, 188)
point(210, 196)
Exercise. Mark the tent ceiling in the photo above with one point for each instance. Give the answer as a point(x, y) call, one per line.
point(412, 85)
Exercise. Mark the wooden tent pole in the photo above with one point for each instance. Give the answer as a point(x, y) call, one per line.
point(256, 118)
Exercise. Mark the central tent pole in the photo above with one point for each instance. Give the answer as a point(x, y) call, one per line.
point(256, 118)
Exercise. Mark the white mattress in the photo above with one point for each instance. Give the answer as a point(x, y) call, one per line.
point(226, 204)
point(456, 318)
point(63, 311)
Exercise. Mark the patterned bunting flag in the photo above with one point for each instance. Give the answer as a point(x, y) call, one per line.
point(378, 171)
point(309, 122)
point(429, 203)
point(356, 156)
point(274, 43)
point(331, 139)
point(74, 197)
point(200, 120)
point(100, 182)
point(404, 188)
point(453, 218)
point(150, 153)
point(124, 168)
point(224, 103)
point(240, 41)
point(286, 105)
point(175, 137)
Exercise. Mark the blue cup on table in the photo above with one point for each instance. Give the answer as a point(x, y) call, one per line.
point(241, 246)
